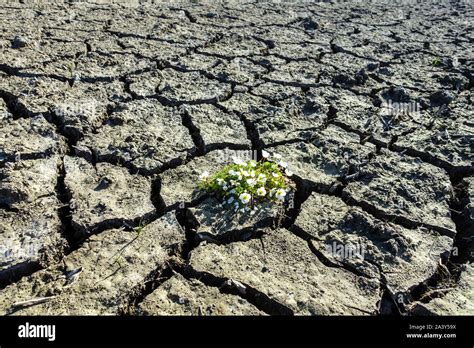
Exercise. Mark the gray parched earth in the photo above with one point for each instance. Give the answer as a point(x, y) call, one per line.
point(110, 112)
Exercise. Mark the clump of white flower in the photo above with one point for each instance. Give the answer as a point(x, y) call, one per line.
point(251, 182)
point(280, 194)
point(245, 197)
point(245, 185)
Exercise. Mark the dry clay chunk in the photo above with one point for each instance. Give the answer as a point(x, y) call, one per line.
point(107, 67)
point(458, 301)
point(29, 224)
point(24, 182)
point(407, 188)
point(191, 87)
point(348, 235)
point(295, 117)
point(29, 238)
point(30, 97)
point(27, 138)
point(82, 108)
point(281, 266)
point(447, 141)
point(143, 134)
point(96, 278)
point(235, 45)
point(178, 296)
point(217, 127)
point(333, 153)
point(216, 219)
point(105, 196)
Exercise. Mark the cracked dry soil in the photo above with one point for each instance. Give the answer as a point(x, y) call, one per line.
point(109, 113)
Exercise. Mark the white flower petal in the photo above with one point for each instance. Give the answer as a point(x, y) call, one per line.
point(251, 182)
point(280, 194)
point(245, 197)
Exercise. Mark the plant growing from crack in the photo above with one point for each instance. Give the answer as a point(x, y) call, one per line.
point(139, 228)
point(436, 61)
point(246, 186)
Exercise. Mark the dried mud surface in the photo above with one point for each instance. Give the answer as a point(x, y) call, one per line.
point(110, 112)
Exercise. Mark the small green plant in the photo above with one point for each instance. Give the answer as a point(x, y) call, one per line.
point(244, 186)
point(437, 61)
point(139, 228)
point(120, 261)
